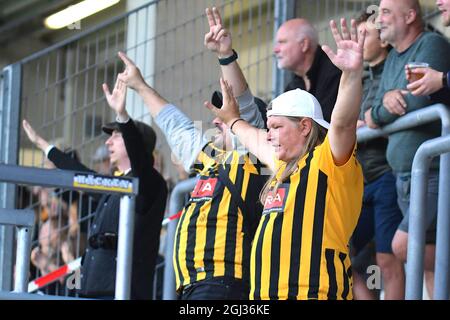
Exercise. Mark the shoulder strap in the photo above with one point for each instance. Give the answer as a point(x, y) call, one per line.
point(248, 214)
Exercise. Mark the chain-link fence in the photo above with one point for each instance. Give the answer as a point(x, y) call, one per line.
point(61, 96)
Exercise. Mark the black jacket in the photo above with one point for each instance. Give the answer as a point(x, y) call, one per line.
point(325, 78)
point(98, 270)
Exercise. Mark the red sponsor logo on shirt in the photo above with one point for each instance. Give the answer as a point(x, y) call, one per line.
point(275, 201)
point(204, 189)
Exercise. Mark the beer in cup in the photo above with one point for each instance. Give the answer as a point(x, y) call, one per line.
point(415, 65)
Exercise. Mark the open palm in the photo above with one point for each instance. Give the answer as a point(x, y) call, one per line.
point(349, 55)
point(116, 99)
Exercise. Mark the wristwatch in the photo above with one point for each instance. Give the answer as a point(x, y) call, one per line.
point(230, 59)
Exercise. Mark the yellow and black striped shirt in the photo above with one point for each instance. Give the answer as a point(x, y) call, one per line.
point(300, 249)
point(211, 240)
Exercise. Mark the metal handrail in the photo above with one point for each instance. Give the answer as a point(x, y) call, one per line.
point(127, 187)
point(419, 174)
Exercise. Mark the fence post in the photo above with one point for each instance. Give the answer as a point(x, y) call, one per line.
point(10, 93)
point(417, 210)
point(442, 263)
point(284, 10)
point(23, 258)
point(24, 221)
point(125, 248)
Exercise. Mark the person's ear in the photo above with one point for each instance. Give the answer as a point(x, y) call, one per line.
point(305, 126)
point(384, 44)
point(411, 16)
point(306, 44)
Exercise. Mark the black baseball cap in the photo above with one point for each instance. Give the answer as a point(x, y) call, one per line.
point(147, 132)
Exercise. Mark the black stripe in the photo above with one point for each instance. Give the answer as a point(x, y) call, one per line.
point(332, 284)
point(275, 256)
point(317, 236)
point(255, 184)
point(190, 243)
point(345, 292)
point(232, 225)
point(258, 259)
point(211, 230)
point(294, 264)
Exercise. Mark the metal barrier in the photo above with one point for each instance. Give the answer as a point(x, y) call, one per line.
point(416, 232)
point(127, 187)
point(177, 201)
point(417, 210)
point(59, 89)
point(24, 221)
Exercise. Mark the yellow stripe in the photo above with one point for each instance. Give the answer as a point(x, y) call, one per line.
point(239, 248)
point(286, 239)
point(183, 242)
point(222, 222)
point(253, 261)
point(200, 239)
point(239, 232)
point(91, 187)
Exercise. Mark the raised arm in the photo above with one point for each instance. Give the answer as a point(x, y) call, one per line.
point(218, 40)
point(184, 138)
point(60, 159)
point(133, 79)
point(36, 139)
point(348, 58)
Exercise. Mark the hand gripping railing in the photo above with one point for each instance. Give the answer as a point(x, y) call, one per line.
point(416, 233)
point(127, 187)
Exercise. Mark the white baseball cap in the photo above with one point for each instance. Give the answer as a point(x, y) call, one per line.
point(298, 103)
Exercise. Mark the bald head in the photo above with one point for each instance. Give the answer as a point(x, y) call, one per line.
point(400, 21)
point(296, 44)
point(300, 29)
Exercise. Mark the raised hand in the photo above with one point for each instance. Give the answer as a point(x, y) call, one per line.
point(116, 99)
point(349, 55)
point(230, 107)
point(36, 139)
point(218, 39)
point(131, 76)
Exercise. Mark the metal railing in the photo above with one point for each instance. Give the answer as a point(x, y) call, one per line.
point(24, 221)
point(126, 187)
point(176, 203)
point(417, 210)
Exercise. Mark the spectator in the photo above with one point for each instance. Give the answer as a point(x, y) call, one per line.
point(297, 49)
point(402, 27)
point(380, 215)
point(130, 147)
point(433, 81)
point(214, 233)
point(313, 199)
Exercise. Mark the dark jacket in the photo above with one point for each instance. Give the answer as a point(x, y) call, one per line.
point(98, 269)
point(325, 78)
point(372, 154)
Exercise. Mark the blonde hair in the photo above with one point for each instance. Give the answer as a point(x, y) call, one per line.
point(314, 138)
